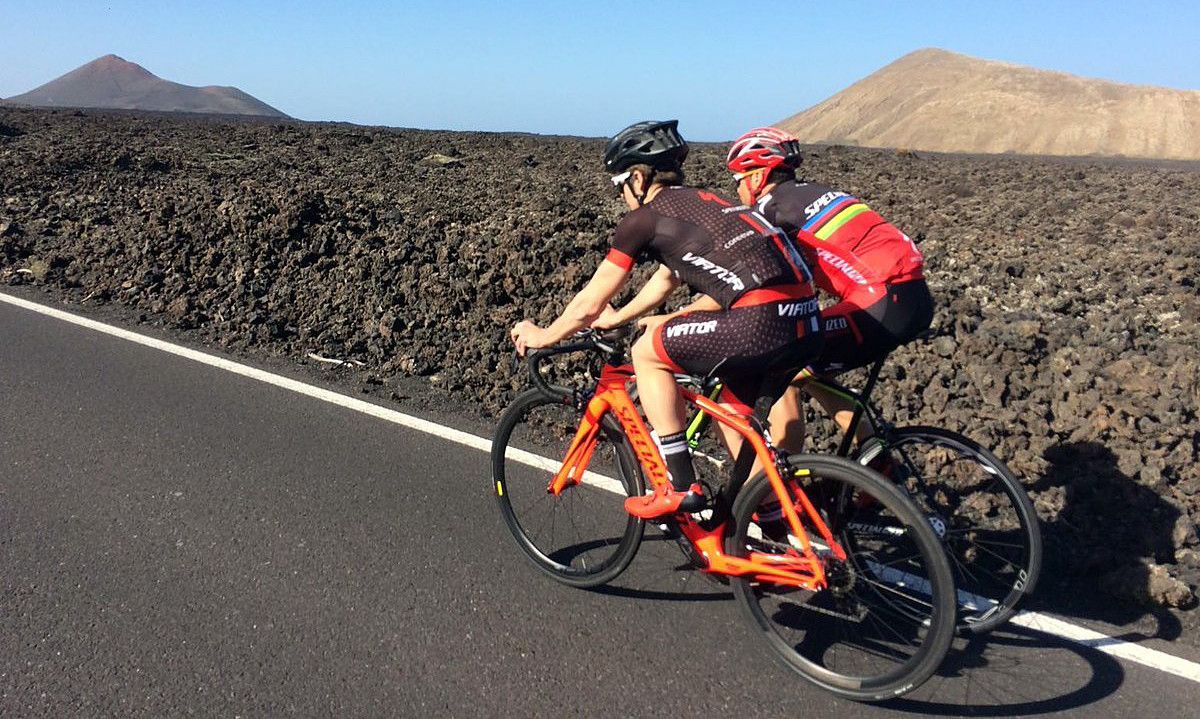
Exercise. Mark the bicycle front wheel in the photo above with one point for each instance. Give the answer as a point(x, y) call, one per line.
point(980, 512)
point(583, 537)
point(886, 619)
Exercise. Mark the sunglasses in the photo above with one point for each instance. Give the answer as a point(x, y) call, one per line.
point(618, 181)
point(739, 176)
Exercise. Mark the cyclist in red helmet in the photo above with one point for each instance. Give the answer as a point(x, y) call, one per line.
point(872, 268)
point(758, 313)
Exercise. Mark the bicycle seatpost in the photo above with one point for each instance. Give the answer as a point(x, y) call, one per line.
point(762, 410)
point(860, 407)
point(873, 377)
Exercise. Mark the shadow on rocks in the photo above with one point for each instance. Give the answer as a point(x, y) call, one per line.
point(1108, 537)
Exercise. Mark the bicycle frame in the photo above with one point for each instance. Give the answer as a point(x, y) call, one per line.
point(863, 410)
point(805, 570)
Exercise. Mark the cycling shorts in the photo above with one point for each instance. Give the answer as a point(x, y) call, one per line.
point(766, 332)
point(857, 336)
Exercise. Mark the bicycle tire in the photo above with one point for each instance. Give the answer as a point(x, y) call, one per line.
point(991, 533)
point(596, 539)
point(889, 605)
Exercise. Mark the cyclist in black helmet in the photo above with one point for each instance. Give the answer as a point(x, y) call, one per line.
point(757, 311)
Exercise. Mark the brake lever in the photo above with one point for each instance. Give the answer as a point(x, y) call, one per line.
point(608, 339)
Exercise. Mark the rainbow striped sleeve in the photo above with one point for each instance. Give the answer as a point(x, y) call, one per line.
point(832, 218)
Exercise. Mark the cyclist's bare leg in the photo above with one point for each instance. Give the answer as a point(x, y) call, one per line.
point(657, 390)
point(786, 421)
point(664, 407)
point(841, 409)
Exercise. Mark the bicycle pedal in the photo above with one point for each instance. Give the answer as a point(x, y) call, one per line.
point(694, 502)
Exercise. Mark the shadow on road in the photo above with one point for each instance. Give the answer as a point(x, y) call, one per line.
point(1103, 527)
point(663, 574)
point(1015, 672)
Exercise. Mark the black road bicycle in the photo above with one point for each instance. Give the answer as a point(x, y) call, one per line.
point(975, 504)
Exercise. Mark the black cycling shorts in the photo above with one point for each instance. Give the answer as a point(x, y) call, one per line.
point(857, 336)
point(744, 344)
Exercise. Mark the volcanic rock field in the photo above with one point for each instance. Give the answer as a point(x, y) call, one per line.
point(1067, 334)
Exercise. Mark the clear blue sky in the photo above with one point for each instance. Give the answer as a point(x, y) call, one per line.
point(578, 67)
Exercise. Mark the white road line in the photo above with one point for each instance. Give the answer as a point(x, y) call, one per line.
point(358, 405)
point(608, 484)
point(1031, 620)
point(1103, 643)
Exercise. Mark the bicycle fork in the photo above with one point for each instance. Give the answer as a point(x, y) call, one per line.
point(581, 449)
point(610, 397)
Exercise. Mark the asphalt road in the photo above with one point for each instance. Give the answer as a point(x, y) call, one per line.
point(178, 540)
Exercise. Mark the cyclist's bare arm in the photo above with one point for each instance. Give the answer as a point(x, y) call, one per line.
point(703, 303)
point(656, 290)
point(580, 312)
point(652, 295)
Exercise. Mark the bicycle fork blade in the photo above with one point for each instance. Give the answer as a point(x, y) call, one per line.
point(579, 456)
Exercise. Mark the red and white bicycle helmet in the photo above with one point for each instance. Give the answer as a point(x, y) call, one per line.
point(759, 151)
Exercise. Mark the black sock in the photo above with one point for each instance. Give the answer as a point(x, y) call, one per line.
point(679, 460)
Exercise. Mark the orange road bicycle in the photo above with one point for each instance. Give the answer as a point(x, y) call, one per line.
point(834, 567)
point(976, 505)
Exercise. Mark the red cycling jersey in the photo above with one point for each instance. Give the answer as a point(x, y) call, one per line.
point(855, 253)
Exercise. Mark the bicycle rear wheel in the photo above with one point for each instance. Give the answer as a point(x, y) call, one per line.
point(583, 537)
point(980, 512)
point(886, 620)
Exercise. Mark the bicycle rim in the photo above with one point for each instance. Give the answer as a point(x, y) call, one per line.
point(582, 537)
point(886, 620)
point(981, 514)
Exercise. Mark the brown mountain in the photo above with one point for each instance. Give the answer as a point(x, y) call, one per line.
point(942, 101)
point(112, 82)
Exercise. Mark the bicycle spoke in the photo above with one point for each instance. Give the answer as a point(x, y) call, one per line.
point(999, 580)
point(887, 614)
point(991, 529)
point(985, 547)
point(989, 542)
point(549, 516)
point(581, 536)
point(888, 626)
point(890, 588)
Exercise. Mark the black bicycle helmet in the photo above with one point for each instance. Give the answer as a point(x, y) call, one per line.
point(653, 142)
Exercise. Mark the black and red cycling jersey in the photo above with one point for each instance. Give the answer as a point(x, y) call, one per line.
point(874, 270)
point(767, 330)
point(853, 251)
point(715, 247)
